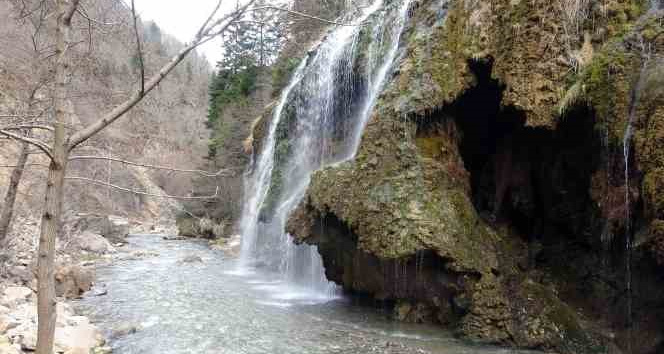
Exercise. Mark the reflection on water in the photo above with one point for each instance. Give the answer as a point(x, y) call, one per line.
point(208, 308)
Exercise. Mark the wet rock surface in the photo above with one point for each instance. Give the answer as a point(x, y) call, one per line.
point(512, 177)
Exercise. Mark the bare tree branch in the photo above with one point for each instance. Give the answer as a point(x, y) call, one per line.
point(139, 52)
point(83, 13)
point(28, 126)
point(222, 172)
point(223, 22)
point(121, 109)
point(27, 164)
point(20, 115)
point(40, 144)
point(302, 14)
point(69, 11)
point(199, 34)
point(101, 183)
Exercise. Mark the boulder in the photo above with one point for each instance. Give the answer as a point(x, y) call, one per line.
point(190, 259)
point(123, 330)
point(92, 242)
point(99, 290)
point(116, 228)
point(20, 274)
point(73, 334)
point(6, 346)
point(405, 311)
point(27, 340)
point(79, 336)
point(102, 350)
point(174, 238)
point(14, 295)
point(7, 323)
point(72, 281)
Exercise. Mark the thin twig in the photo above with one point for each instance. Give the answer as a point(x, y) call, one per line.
point(302, 14)
point(40, 144)
point(20, 115)
point(199, 34)
point(139, 52)
point(85, 15)
point(101, 183)
point(27, 164)
point(219, 173)
point(29, 126)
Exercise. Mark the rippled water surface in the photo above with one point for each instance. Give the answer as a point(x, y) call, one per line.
point(208, 308)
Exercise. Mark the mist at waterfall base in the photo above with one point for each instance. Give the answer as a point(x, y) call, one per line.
point(318, 121)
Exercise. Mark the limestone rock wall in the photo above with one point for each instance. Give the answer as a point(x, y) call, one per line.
point(489, 177)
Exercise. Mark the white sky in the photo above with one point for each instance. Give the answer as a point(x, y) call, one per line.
point(182, 18)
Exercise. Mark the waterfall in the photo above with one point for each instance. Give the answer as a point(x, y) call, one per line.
point(318, 121)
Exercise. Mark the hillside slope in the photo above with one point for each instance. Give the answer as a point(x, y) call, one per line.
point(166, 128)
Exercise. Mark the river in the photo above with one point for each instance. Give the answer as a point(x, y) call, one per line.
point(206, 307)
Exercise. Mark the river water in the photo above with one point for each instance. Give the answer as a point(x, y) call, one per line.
point(208, 308)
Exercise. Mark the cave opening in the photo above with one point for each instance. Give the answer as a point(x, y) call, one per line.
point(559, 190)
point(536, 179)
point(533, 181)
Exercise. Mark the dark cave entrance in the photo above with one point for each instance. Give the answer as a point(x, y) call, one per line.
point(536, 179)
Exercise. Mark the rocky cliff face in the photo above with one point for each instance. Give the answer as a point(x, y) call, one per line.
point(509, 184)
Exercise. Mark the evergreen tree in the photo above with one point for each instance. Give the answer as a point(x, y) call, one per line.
point(247, 46)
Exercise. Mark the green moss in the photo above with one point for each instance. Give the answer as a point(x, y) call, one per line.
point(431, 147)
point(451, 49)
point(653, 191)
point(651, 29)
point(281, 73)
point(607, 83)
point(560, 318)
point(187, 226)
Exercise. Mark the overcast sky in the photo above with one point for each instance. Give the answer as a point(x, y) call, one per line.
point(182, 18)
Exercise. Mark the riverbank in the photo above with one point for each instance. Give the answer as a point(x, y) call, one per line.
point(88, 241)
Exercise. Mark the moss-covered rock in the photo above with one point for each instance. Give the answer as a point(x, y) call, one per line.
point(407, 192)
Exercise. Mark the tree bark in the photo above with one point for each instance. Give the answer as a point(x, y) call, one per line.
point(50, 221)
point(12, 191)
point(46, 302)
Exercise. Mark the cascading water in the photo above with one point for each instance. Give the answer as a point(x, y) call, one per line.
point(318, 121)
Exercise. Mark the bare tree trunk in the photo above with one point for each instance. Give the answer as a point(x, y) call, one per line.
point(46, 302)
point(12, 191)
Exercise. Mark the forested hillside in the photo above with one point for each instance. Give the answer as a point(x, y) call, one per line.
point(167, 128)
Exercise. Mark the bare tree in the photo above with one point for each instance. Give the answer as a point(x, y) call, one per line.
point(27, 120)
point(12, 191)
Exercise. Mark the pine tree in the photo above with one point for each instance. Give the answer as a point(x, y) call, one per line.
point(248, 46)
